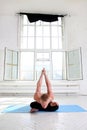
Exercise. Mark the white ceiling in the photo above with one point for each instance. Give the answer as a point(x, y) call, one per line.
point(41, 6)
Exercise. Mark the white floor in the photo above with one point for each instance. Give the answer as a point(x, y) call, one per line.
point(44, 121)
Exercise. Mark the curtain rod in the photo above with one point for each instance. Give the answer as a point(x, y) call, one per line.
point(20, 13)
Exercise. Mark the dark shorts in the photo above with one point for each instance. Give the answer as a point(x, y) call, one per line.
point(39, 107)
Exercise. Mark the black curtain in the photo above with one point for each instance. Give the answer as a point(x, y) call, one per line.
point(33, 17)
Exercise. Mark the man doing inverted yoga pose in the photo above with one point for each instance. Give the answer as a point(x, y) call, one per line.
point(44, 102)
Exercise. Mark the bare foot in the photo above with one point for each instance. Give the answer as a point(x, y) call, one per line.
point(54, 103)
point(33, 110)
point(44, 71)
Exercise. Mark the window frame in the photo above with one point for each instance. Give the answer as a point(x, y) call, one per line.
point(11, 65)
point(45, 50)
point(66, 68)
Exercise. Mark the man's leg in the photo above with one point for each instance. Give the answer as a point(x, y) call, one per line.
point(52, 108)
point(39, 83)
point(35, 106)
point(48, 82)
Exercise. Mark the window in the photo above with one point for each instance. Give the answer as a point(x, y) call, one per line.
point(74, 65)
point(40, 46)
point(27, 66)
point(72, 60)
point(11, 65)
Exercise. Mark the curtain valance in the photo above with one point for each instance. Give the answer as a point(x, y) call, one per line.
point(33, 17)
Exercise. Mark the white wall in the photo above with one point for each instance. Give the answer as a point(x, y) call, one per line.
point(8, 37)
point(76, 35)
point(8, 31)
point(75, 25)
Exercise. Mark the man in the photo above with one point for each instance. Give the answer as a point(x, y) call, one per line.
point(44, 102)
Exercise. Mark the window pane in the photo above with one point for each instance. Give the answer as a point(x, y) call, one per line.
point(46, 31)
point(31, 24)
point(30, 30)
point(54, 43)
point(40, 65)
point(25, 20)
point(54, 31)
point(59, 31)
point(54, 23)
point(14, 72)
point(30, 42)
point(15, 57)
point(60, 43)
point(57, 58)
point(27, 75)
point(38, 23)
point(8, 72)
point(46, 65)
point(46, 43)
point(24, 32)
point(42, 56)
point(46, 23)
point(8, 56)
point(27, 64)
point(24, 42)
point(38, 43)
point(39, 31)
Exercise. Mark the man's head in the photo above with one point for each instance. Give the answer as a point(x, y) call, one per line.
point(44, 97)
point(44, 100)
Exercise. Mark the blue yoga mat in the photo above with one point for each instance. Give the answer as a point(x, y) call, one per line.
point(26, 109)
